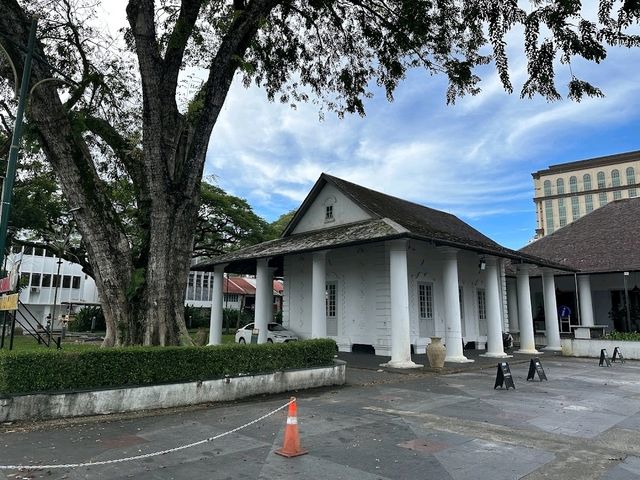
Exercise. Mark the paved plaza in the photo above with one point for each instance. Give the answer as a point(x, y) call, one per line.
point(583, 423)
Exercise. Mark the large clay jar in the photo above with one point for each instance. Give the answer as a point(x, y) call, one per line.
point(436, 352)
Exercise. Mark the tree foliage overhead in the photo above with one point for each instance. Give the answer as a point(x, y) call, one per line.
point(127, 141)
point(40, 218)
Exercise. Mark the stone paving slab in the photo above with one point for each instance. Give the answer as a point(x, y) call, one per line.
point(581, 424)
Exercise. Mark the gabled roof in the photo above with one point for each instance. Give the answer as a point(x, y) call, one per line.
point(392, 217)
point(238, 285)
point(415, 218)
point(605, 240)
point(247, 286)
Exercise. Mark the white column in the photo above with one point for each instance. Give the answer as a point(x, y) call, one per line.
point(399, 292)
point(495, 346)
point(512, 306)
point(586, 306)
point(550, 311)
point(264, 296)
point(525, 316)
point(453, 326)
point(215, 321)
point(318, 296)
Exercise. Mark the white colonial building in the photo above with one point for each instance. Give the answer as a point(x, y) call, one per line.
point(363, 267)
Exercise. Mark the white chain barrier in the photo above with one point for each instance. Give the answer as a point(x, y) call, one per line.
point(145, 455)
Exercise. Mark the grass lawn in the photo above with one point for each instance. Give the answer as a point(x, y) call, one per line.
point(27, 342)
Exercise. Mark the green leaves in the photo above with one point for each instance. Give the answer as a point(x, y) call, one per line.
point(50, 370)
point(225, 222)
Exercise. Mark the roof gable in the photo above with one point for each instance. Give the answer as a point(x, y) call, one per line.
point(387, 218)
point(312, 214)
point(415, 218)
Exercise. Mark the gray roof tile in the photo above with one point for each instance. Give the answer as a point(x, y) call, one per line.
point(605, 240)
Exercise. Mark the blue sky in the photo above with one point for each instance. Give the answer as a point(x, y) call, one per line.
point(473, 159)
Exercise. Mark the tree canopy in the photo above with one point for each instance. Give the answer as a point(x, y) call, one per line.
point(119, 115)
point(40, 218)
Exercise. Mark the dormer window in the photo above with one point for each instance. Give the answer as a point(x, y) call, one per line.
point(328, 214)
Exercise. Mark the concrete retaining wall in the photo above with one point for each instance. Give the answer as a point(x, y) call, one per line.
point(98, 402)
point(591, 348)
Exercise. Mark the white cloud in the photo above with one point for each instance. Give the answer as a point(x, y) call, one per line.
point(473, 159)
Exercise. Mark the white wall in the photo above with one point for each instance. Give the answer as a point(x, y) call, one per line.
point(363, 299)
point(362, 303)
point(591, 348)
point(40, 299)
point(344, 211)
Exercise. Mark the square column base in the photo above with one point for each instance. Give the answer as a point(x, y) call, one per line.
point(460, 359)
point(401, 364)
point(552, 349)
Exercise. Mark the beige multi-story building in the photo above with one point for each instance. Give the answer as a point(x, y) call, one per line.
point(565, 192)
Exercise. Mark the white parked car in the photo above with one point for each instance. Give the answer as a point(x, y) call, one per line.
point(276, 334)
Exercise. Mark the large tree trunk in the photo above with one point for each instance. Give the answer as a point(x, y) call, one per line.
point(141, 284)
point(167, 272)
point(107, 246)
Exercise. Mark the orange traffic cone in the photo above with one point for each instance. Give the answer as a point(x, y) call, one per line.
point(291, 447)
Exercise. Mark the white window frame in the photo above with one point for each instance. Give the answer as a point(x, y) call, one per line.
point(231, 298)
point(482, 304)
point(425, 300)
point(331, 296)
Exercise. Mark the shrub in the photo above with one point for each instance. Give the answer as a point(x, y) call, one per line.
point(200, 317)
point(197, 317)
point(626, 336)
point(46, 371)
point(232, 319)
point(82, 321)
point(619, 318)
point(201, 337)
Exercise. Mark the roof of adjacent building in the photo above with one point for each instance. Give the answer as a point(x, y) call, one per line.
point(589, 163)
point(238, 285)
point(605, 240)
point(247, 286)
point(392, 218)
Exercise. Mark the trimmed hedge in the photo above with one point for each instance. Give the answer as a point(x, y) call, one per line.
point(48, 371)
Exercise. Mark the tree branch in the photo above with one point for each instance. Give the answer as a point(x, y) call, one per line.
point(129, 154)
point(177, 43)
point(221, 72)
point(140, 14)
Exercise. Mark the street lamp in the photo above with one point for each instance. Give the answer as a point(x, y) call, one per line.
point(56, 281)
point(7, 187)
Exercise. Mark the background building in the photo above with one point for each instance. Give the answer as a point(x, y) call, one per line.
point(239, 292)
point(604, 248)
point(47, 280)
point(565, 192)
